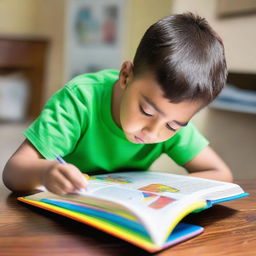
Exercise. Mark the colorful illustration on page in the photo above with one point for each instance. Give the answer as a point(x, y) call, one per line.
point(148, 196)
point(112, 178)
point(156, 201)
point(158, 188)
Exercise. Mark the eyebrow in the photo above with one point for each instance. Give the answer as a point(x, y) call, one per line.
point(152, 104)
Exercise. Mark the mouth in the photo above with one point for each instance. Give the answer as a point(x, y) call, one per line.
point(139, 140)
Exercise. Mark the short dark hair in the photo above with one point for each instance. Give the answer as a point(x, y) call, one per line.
point(186, 57)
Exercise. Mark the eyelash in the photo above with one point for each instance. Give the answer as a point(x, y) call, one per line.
point(143, 111)
point(170, 128)
point(146, 114)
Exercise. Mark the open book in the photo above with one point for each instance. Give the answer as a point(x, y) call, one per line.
point(143, 208)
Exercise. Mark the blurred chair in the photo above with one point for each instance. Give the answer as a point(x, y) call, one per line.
point(26, 55)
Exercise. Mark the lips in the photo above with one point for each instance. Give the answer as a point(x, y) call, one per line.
point(139, 140)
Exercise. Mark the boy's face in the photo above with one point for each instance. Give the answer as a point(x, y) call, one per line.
point(146, 116)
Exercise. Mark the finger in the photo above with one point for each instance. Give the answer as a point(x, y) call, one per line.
point(66, 185)
point(60, 183)
point(57, 190)
point(73, 174)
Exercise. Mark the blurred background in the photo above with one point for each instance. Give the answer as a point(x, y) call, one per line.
point(44, 43)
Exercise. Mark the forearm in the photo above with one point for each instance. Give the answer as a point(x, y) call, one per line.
point(207, 164)
point(24, 173)
point(214, 174)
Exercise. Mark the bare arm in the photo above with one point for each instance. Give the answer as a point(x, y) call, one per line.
point(27, 169)
point(207, 164)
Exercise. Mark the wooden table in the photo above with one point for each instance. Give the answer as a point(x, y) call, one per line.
point(230, 229)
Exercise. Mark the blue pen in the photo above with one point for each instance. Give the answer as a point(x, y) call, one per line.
point(62, 161)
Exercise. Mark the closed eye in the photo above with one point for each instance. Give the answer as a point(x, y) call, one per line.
point(144, 112)
point(147, 114)
point(170, 128)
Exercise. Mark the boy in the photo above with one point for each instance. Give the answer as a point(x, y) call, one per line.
point(111, 120)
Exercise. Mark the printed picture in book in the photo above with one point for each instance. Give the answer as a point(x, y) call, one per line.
point(148, 194)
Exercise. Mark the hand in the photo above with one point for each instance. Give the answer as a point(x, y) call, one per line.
point(63, 178)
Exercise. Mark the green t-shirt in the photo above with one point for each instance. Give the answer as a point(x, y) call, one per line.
point(77, 124)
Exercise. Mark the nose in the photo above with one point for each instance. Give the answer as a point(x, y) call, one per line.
point(151, 131)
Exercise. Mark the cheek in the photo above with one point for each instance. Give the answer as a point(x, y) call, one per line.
point(129, 117)
point(165, 134)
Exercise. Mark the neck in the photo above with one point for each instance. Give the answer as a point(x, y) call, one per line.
point(115, 103)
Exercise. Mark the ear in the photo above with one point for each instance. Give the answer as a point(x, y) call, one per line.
point(126, 74)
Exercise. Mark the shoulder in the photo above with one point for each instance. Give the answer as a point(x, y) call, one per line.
point(93, 81)
point(83, 94)
point(91, 87)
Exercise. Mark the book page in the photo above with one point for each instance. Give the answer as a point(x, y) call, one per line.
point(169, 185)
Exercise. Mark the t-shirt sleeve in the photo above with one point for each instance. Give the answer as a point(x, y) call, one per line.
point(58, 128)
point(185, 145)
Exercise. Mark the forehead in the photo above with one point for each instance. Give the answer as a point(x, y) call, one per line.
point(150, 92)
